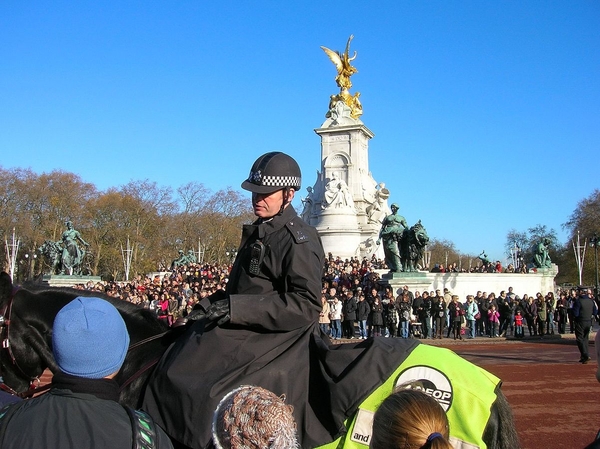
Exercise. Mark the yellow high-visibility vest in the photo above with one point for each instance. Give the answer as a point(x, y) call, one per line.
point(465, 391)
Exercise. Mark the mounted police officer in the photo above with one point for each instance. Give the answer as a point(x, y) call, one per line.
point(258, 329)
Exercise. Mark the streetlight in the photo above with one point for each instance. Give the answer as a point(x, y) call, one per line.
point(594, 240)
point(231, 254)
point(426, 258)
point(31, 263)
point(201, 250)
point(11, 253)
point(579, 251)
point(127, 254)
point(515, 255)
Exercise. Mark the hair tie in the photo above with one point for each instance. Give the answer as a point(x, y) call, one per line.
point(433, 436)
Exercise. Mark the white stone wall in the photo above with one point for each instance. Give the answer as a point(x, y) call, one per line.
point(463, 284)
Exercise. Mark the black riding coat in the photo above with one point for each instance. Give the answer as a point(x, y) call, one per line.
point(265, 343)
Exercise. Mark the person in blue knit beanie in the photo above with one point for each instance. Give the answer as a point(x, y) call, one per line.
point(89, 342)
point(89, 338)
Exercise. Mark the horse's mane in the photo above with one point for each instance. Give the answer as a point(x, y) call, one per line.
point(131, 311)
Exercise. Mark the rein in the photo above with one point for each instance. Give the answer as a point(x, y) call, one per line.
point(148, 365)
point(5, 319)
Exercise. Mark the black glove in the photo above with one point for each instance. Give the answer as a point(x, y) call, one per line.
point(197, 313)
point(218, 310)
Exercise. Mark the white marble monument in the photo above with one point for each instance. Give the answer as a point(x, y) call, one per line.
point(346, 204)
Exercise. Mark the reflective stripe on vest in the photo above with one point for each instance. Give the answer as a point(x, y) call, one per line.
point(465, 391)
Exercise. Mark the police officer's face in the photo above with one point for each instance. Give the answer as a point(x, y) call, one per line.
point(267, 205)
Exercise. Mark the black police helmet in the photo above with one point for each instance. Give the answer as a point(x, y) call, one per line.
point(271, 172)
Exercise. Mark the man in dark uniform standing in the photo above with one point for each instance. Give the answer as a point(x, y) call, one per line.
point(583, 311)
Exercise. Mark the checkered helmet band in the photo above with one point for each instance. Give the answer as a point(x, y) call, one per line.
point(273, 171)
point(274, 181)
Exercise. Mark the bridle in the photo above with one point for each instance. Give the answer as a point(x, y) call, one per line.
point(5, 321)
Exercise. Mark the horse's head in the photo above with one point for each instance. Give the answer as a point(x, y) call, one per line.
point(25, 334)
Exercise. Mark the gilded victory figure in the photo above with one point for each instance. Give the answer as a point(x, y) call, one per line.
point(345, 70)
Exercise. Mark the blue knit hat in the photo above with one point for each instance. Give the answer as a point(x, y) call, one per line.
point(89, 338)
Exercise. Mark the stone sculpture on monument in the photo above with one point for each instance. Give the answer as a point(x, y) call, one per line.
point(337, 193)
point(72, 253)
point(541, 256)
point(377, 209)
point(392, 229)
point(69, 262)
point(307, 203)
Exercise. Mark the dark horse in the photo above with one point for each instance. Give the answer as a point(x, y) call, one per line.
point(26, 317)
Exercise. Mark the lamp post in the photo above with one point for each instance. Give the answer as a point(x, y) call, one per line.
point(201, 250)
point(231, 255)
point(31, 264)
point(594, 240)
point(426, 259)
point(11, 253)
point(127, 254)
point(579, 251)
point(514, 253)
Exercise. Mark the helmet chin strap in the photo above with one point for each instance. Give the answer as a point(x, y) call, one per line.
point(286, 200)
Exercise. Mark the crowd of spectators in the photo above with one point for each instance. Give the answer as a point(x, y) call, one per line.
point(352, 298)
point(356, 305)
point(486, 267)
point(171, 294)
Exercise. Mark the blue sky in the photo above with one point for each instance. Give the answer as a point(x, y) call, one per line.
point(486, 114)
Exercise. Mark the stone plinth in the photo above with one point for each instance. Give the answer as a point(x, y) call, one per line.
point(416, 281)
point(463, 284)
point(63, 280)
point(349, 229)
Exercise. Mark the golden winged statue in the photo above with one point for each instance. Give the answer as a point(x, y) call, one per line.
point(342, 63)
point(344, 71)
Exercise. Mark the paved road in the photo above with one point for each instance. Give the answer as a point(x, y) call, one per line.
point(555, 399)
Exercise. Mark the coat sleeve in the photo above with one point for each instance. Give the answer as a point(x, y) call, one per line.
point(297, 303)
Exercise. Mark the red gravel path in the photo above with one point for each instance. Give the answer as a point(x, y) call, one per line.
point(555, 399)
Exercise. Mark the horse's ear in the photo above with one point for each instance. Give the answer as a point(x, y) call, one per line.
point(5, 287)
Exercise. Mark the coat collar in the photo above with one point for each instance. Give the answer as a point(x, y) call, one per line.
point(276, 223)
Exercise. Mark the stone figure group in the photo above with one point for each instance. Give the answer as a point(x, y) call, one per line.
point(484, 258)
point(541, 256)
point(403, 247)
point(376, 210)
point(184, 259)
point(337, 193)
point(66, 256)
